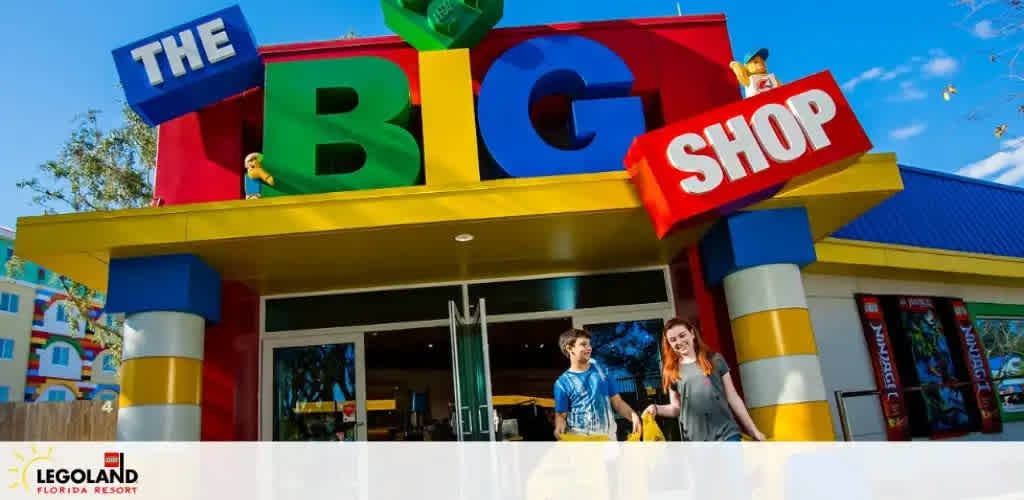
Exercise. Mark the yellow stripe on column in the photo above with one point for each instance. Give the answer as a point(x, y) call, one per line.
point(811, 421)
point(161, 380)
point(768, 334)
point(450, 155)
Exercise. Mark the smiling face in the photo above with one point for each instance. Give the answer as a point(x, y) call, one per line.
point(757, 66)
point(580, 350)
point(680, 339)
point(253, 160)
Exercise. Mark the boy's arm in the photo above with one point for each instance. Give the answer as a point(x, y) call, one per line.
point(623, 408)
point(561, 409)
point(559, 424)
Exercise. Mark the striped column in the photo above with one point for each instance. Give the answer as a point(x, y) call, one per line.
point(777, 354)
point(167, 302)
point(756, 256)
point(161, 377)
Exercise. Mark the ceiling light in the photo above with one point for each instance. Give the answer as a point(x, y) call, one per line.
point(464, 237)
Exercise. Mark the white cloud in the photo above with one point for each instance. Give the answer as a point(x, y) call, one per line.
point(940, 65)
point(907, 132)
point(895, 72)
point(1010, 162)
point(870, 74)
point(908, 92)
point(984, 30)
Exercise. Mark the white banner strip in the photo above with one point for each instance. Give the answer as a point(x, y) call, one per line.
point(535, 471)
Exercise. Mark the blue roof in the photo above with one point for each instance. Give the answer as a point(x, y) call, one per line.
point(949, 212)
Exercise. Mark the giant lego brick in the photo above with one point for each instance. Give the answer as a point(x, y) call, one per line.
point(189, 66)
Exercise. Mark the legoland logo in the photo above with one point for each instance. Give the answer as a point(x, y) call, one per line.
point(112, 478)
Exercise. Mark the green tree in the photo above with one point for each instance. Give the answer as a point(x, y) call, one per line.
point(95, 170)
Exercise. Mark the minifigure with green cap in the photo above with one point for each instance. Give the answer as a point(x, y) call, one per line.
point(753, 74)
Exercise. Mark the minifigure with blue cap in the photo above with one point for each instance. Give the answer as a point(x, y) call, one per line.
point(753, 74)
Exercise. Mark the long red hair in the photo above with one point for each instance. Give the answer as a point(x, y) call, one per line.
point(670, 359)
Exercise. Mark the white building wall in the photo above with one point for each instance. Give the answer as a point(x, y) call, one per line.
point(843, 352)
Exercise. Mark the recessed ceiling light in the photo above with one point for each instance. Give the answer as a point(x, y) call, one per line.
point(464, 237)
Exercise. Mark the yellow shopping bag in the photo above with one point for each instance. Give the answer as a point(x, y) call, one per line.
point(581, 437)
point(650, 431)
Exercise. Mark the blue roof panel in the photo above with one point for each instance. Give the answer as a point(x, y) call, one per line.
point(949, 212)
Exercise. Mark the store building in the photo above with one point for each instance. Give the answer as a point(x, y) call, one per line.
point(438, 217)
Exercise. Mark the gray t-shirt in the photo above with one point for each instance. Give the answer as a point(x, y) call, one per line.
point(704, 410)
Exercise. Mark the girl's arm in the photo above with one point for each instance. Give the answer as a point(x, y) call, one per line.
point(669, 410)
point(740, 409)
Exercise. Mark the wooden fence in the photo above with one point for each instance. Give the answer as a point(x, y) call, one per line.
point(59, 421)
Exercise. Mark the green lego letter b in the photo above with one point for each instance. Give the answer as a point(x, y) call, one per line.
point(338, 125)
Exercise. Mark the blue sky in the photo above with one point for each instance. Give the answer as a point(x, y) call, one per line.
point(894, 58)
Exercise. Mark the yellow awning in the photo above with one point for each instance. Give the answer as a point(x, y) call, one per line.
point(407, 235)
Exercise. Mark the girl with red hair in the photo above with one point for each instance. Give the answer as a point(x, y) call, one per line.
point(702, 395)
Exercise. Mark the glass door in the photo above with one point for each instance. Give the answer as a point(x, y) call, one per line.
point(317, 388)
point(471, 366)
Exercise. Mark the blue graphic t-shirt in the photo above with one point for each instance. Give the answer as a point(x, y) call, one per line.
point(586, 397)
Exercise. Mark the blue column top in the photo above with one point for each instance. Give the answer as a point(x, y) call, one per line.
point(177, 283)
point(748, 239)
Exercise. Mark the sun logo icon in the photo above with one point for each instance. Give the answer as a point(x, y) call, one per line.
point(21, 470)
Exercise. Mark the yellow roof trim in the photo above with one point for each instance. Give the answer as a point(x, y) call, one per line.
point(862, 258)
point(405, 235)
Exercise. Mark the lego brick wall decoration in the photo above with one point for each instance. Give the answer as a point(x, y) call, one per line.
point(190, 66)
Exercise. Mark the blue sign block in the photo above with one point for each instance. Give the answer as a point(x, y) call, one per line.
point(190, 66)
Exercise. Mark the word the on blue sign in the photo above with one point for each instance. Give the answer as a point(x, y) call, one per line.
point(190, 66)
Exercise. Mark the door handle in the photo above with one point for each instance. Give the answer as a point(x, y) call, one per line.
point(485, 419)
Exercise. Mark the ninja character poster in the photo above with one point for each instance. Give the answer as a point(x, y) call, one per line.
point(933, 364)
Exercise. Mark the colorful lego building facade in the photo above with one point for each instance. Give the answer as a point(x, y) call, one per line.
point(44, 354)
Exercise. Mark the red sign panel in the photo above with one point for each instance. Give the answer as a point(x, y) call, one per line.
point(890, 389)
point(717, 162)
point(977, 366)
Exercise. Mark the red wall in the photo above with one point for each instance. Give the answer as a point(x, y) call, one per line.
point(231, 368)
point(680, 65)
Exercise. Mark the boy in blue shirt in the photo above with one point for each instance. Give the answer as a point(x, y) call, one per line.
point(584, 396)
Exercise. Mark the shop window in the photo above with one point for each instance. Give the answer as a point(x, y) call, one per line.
point(59, 356)
point(5, 394)
point(361, 308)
point(6, 349)
point(929, 351)
point(1001, 329)
point(571, 292)
point(9, 302)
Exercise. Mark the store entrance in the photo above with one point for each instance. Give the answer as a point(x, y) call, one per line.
point(465, 362)
point(409, 385)
point(525, 361)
